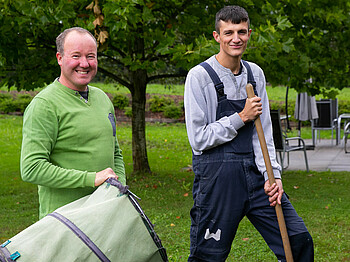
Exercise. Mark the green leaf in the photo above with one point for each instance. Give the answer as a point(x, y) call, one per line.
point(283, 23)
point(288, 45)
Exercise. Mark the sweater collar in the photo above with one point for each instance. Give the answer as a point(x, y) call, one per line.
point(66, 89)
point(243, 70)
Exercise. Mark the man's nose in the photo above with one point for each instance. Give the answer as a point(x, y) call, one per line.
point(235, 37)
point(84, 62)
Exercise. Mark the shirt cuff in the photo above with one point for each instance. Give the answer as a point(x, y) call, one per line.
point(236, 121)
point(276, 174)
point(90, 179)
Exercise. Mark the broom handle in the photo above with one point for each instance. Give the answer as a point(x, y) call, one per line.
point(278, 207)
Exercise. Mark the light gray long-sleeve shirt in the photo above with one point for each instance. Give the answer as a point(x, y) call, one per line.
point(200, 98)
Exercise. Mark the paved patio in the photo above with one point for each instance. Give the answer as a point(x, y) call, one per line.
point(325, 156)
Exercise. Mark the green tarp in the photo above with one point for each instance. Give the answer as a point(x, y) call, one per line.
point(109, 221)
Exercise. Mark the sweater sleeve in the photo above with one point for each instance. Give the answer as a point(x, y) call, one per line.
point(40, 130)
point(119, 168)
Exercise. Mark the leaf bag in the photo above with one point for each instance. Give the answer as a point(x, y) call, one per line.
point(108, 225)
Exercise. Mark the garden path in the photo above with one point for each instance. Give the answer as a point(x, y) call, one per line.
point(325, 156)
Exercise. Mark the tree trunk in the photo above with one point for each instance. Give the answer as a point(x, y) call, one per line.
point(139, 149)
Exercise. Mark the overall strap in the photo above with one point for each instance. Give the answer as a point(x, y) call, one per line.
point(250, 75)
point(219, 86)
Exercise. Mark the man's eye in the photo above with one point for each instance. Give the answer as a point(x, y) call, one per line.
point(75, 56)
point(91, 57)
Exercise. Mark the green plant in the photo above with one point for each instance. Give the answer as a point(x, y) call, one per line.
point(172, 111)
point(128, 111)
point(182, 104)
point(5, 96)
point(22, 101)
point(274, 105)
point(120, 101)
point(5, 102)
point(9, 104)
point(157, 103)
point(343, 106)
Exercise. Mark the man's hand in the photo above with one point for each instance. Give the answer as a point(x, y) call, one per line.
point(103, 175)
point(274, 192)
point(251, 110)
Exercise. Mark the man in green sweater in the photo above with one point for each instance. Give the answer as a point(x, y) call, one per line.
point(69, 142)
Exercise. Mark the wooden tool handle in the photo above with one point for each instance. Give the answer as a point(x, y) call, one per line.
point(278, 207)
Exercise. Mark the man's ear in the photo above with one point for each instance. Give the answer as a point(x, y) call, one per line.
point(216, 36)
point(59, 58)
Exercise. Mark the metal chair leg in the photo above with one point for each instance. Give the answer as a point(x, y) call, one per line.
point(306, 162)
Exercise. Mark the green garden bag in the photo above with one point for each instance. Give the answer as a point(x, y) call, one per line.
point(108, 225)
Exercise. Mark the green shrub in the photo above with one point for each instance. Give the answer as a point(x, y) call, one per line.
point(172, 111)
point(120, 101)
point(274, 105)
point(343, 107)
point(8, 104)
point(128, 111)
point(22, 101)
point(182, 105)
point(157, 104)
point(5, 96)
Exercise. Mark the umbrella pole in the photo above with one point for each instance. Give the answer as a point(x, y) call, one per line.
point(278, 207)
point(299, 122)
point(286, 104)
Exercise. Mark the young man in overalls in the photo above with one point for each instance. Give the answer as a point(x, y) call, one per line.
point(230, 174)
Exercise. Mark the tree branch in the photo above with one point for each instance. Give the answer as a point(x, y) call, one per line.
point(117, 49)
point(115, 77)
point(111, 58)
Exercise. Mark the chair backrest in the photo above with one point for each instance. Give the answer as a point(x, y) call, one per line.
point(334, 108)
point(277, 129)
point(327, 112)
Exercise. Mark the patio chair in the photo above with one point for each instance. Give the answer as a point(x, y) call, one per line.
point(346, 134)
point(327, 118)
point(282, 142)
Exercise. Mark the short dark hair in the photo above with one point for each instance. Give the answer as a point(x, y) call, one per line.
point(232, 13)
point(62, 37)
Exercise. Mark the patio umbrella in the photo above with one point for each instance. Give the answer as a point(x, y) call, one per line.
point(305, 107)
point(305, 110)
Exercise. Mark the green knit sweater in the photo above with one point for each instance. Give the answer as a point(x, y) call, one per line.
point(66, 140)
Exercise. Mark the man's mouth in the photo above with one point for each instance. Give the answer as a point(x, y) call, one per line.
point(82, 72)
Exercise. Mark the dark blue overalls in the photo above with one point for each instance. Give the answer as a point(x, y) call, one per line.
point(228, 186)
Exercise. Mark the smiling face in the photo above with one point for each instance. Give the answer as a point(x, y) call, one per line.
point(78, 62)
point(233, 39)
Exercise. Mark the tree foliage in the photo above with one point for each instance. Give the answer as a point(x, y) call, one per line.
point(27, 35)
point(302, 44)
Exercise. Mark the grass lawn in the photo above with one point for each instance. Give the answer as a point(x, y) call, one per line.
point(321, 198)
point(277, 93)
